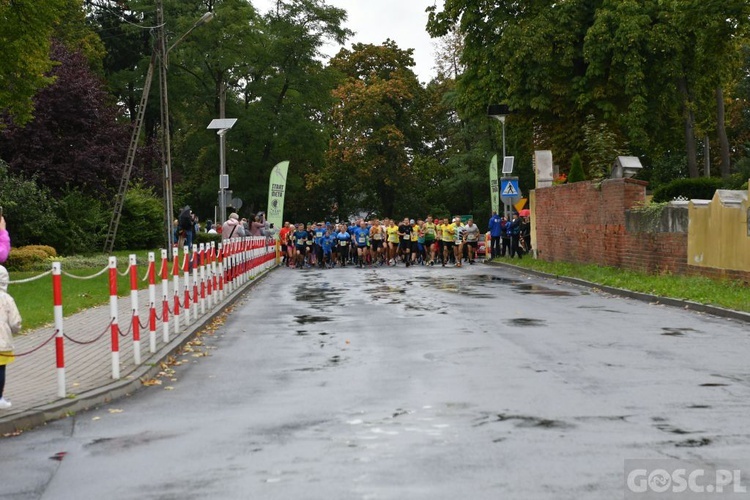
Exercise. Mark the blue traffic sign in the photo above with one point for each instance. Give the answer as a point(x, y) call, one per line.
point(509, 187)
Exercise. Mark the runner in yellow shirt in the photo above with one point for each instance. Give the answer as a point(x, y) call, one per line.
point(448, 234)
point(392, 232)
point(429, 239)
point(414, 241)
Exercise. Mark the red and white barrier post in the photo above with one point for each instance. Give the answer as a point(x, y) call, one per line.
point(221, 271)
point(176, 286)
point(165, 297)
point(252, 257)
point(151, 302)
point(194, 260)
point(136, 326)
point(212, 283)
point(59, 340)
point(244, 260)
point(228, 265)
point(114, 327)
point(186, 278)
point(202, 260)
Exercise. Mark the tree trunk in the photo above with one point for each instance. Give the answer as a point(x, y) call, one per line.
point(218, 92)
point(722, 131)
point(706, 157)
point(689, 122)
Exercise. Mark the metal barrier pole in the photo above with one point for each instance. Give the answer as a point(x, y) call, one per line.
point(59, 340)
point(194, 261)
point(221, 272)
point(114, 330)
point(134, 306)
point(165, 296)
point(151, 302)
point(202, 269)
point(176, 286)
point(186, 278)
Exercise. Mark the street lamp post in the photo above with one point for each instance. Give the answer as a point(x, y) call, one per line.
point(499, 112)
point(164, 98)
point(222, 125)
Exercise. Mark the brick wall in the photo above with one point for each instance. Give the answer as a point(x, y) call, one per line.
point(586, 223)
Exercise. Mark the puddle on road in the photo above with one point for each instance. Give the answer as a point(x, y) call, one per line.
point(693, 443)
point(531, 289)
point(305, 319)
point(525, 322)
point(524, 421)
point(665, 427)
point(676, 332)
point(713, 384)
point(108, 445)
point(324, 294)
point(601, 309)
point(385, 289)
point(699, 407)
point(486, 278)
point(534, 422)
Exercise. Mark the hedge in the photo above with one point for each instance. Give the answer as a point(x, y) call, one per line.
point(701, 188)
point(25, 258)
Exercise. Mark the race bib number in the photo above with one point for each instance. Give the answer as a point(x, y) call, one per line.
point(343, 243)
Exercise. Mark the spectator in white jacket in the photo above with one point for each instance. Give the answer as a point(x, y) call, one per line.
point(10, 323)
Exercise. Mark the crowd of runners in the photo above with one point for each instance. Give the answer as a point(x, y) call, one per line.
point(388, 242)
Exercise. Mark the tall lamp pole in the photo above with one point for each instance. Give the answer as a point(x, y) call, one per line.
point(499, 112)
point(164, 99)
point(222, 126)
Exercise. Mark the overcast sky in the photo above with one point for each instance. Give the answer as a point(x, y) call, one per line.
point(373, 21)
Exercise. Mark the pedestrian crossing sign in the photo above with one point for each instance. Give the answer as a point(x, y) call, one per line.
point(509, 187)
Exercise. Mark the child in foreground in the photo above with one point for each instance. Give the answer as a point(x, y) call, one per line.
point(10, 323)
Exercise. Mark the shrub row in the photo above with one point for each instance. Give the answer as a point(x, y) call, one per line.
point(29, 258)
point(702, 188)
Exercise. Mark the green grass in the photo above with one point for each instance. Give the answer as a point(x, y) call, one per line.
point(723, 293)
point(34, 299)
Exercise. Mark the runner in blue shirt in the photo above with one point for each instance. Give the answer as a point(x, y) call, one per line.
point(327, 242)
point(343, 239)
point(319, 232)
point(300, 244)
point(361, 238)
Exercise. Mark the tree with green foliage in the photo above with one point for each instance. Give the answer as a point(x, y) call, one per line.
point(654, 73)
point(75, 139)
point(25, 60)
point(576, 170)
point(601, 146)
point(374, 129)
point(276, 87)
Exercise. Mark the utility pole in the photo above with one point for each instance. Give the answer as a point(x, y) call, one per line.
point(159, 53)
point(166, 149)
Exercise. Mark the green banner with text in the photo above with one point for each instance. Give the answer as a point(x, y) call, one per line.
point(494, 186)
point(276, 191)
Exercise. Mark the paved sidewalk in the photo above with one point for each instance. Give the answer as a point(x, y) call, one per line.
point(31, 383)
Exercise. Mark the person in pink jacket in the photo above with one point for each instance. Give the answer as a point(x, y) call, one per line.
point(4, 241)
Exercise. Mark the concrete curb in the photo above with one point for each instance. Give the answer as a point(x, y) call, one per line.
point(112, 390)
point(645, 297)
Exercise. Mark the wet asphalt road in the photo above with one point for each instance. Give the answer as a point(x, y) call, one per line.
point(421, 383)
